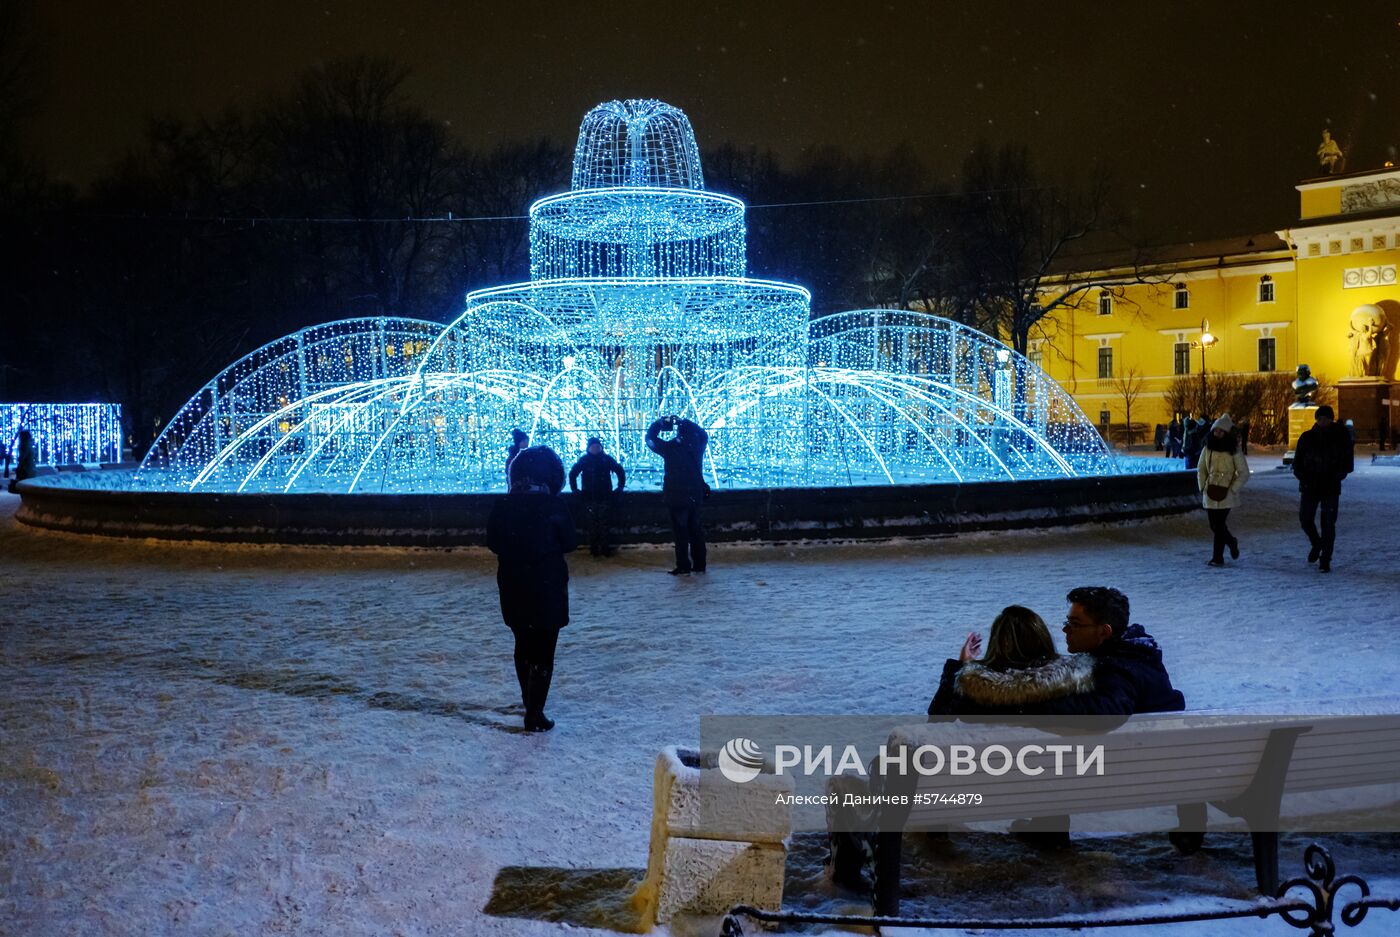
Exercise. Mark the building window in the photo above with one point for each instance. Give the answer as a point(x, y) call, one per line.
point(1183, 297)
point(1105, 363)
point(1266, 289)
point(1181, 358)
point(1036, 357)
point(1105, 304)
point(1103, 417)
point(1266, 354)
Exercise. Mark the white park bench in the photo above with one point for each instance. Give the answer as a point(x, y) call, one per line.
point(1242, 765)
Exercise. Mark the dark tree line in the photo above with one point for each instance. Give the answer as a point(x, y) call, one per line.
point(216, 235)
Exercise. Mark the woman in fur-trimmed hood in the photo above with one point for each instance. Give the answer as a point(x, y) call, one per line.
point(1020, 671)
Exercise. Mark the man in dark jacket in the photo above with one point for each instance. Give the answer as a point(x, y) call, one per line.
point(683, 487)
point(1322, 458)
point(597, 469)
point(1129, 676)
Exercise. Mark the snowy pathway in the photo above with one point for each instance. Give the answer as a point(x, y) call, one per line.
point(257, 740)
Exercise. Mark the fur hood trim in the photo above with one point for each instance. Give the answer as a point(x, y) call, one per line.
point(1073, 673)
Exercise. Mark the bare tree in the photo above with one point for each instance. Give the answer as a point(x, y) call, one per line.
point(1129, 384)
point(1020, 235)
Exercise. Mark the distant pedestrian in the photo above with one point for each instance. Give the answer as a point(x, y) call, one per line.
point(519, 442)
point(1323, 457)
point(1194, 441)
point(530, 530)
point(25, 455)
point(1174, 431)
point(597, 469)
point(683, 487)
point(1221, 474)
point(1159, 438)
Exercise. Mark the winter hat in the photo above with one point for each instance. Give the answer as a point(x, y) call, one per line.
point(592, 440)
point(538, 465)
point(518, 436)
point(1224, 424)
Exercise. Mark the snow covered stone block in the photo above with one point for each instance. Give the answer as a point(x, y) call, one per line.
point(693, 799)
point(710, 876)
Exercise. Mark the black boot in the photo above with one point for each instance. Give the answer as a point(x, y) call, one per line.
point(537, 691)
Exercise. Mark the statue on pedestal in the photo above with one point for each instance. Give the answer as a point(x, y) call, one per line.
point(1329, 154)
point(1304, 387)
point(1368, 332)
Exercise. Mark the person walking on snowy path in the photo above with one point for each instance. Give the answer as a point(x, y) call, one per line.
point(683, 487)
point(1323, 458)
point(530, 530)
point(597, 469)
point(1220, 475)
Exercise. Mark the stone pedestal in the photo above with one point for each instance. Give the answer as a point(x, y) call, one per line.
point(1300, 419)
point(1360, 400)
point(714, 843)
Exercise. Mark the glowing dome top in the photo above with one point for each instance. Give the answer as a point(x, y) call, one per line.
point(640, 142)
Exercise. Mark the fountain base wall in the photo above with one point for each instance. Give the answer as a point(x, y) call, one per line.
point(778, 515)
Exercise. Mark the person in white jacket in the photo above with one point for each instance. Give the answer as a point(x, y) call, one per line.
point(1220, 475)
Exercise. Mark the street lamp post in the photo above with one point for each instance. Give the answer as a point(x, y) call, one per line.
point(1207, 340)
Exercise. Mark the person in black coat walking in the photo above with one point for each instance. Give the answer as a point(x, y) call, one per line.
point(530, 530)
point(597, 469)
point(1323, 457)
point(683, 487)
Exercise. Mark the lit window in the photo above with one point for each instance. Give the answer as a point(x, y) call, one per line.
point(1181, 358)
point(1105, 363)
point(1105, 304)
point(1266, 289)
point(1266, 354)
point(1183, 297)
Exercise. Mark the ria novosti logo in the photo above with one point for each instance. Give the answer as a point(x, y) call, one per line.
point(741, 760)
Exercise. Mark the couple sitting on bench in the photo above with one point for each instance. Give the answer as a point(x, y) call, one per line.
point(1113, 668)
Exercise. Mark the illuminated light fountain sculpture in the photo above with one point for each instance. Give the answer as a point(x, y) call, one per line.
point(638, 305)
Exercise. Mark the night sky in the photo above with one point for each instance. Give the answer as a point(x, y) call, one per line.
point(1207, 113)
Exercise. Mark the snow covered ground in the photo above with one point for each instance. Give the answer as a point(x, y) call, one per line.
point(201, 739)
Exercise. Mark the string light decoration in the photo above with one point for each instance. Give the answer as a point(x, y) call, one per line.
point(638, 306)
point(65, 433)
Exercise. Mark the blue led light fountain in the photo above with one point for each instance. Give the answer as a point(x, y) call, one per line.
point(638, 305)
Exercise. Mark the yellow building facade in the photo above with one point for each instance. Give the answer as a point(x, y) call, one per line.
point(1322, 292)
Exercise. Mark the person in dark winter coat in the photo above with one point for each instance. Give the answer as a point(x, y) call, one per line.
point(683, 487)
point(1194, 441)
point(25, 455)
point(597, 469)
point(1323, 457)
point(1129, 676)
point(530, 530)
point(519, 442)
point(1174, 439)
point(1220, 475)
point(1020, 670)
